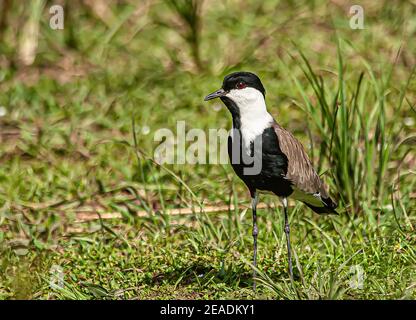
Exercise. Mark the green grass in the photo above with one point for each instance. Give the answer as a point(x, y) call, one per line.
point(67, 146)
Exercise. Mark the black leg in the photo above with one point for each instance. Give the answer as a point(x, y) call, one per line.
point(287, 231)
point(254, 199)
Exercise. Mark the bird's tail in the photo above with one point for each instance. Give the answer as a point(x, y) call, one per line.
point(328, 207)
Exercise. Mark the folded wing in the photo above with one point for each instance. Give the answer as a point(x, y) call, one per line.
point(307, 185)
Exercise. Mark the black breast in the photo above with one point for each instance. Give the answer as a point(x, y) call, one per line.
point(273, 163)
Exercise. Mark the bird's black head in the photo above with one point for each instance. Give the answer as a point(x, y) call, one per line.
point(238, 81)
point(241, 80)
point(244, 96)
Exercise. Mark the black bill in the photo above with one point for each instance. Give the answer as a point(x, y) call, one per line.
point(219, 93)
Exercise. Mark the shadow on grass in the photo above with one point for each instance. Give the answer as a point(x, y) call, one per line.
point(205, 275)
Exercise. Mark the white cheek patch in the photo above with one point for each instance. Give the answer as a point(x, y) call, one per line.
point(253, 114)
point(246, 97)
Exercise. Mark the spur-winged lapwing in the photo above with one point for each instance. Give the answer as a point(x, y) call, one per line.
point(285, 168)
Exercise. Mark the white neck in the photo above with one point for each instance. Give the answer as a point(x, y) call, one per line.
point(253, 112)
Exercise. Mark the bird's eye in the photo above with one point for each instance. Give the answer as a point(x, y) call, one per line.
point(240, 85)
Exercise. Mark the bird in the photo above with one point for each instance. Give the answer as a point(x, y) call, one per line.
point(283, 167)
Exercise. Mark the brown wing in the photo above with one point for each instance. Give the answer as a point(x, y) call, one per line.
point(300, 171)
